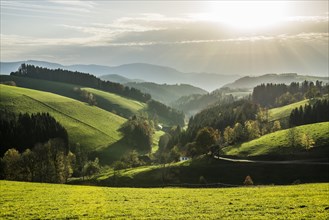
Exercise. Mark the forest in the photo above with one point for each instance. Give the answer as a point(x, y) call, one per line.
point(275, 95)
point(23, 131)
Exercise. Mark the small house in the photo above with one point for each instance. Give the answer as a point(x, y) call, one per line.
point(184, 158)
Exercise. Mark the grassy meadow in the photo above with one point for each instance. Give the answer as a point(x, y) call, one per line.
point(90, 126)
point(105, 100)
point(21, 200)
point(284, 111)
point(277, 142)
point(116, 103)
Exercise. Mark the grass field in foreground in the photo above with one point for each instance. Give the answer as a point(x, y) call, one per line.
point(51, 201)
point(90, 126)
point(277, 142)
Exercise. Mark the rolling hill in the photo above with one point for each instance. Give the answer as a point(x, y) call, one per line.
point(276, 143)
point(120, 105)
point(90, 126)
point(284, 111)
point(248, 82)
point(167, 93)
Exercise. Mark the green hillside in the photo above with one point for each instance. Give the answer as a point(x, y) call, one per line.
point(21, 200)
point(117, 104)
point(90, 126)
point(284, 111)
point(277, 142)
point(108, 101)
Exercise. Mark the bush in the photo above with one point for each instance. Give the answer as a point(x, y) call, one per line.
point(248, 181)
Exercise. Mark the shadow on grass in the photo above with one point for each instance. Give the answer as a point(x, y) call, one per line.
point(113, 152)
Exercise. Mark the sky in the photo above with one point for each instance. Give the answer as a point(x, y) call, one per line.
point(224, 37)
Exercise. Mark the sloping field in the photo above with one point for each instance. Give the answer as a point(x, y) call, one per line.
point(90, 126)
point(21, 200)
point(284, 111)
point(277, 142)
point(115, 103)
point(108, 101)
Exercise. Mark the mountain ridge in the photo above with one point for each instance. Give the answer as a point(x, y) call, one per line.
point(139, 71)
point(249, 82)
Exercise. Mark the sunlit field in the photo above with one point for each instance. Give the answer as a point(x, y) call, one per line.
point(49, 201)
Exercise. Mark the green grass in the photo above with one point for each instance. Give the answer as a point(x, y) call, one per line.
point(117, 104)
point(52, 201)
point(59, 88)
point(277, 142)
point(156, 138)
point(90, 126)
point(284, 111)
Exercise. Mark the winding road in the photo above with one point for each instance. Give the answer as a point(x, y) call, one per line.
point(315, 162)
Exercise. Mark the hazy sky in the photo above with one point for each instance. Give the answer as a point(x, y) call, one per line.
point(235, 37)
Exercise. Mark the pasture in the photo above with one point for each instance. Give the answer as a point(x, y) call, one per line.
point(277, 142)
point(87, 125)
point(21, 200)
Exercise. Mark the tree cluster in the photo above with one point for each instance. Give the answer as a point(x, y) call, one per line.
point(86, 96)
point(24, 131)
point(130, 159)
point(309, 114)
point(275, 95)
point(169, 145)
point(221, 116)
point(138, 132)
point(79, 78)
point(176, 117)
point(49, 162)
point(196, 102)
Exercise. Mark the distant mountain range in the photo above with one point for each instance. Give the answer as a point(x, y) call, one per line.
point(249, 82)
point(135, 72)
point(142, 72)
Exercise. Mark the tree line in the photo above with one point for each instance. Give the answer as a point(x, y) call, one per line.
point(275, 95)
point(175, 116)
point(34, 147)
point(82, 79)
point(221, 116)
point(23, 131)
point(310, 113)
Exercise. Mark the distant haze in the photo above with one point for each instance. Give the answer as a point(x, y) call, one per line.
point(221, 37)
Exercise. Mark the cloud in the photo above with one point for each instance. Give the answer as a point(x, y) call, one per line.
point(46, 8)
point(76, 3)
point(186, 42)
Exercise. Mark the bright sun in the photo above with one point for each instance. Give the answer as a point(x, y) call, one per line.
point(246, 15)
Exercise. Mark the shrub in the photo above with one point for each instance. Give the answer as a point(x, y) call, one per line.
point(248, 181)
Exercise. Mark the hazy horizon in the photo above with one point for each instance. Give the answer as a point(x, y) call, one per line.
point(237, 37)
